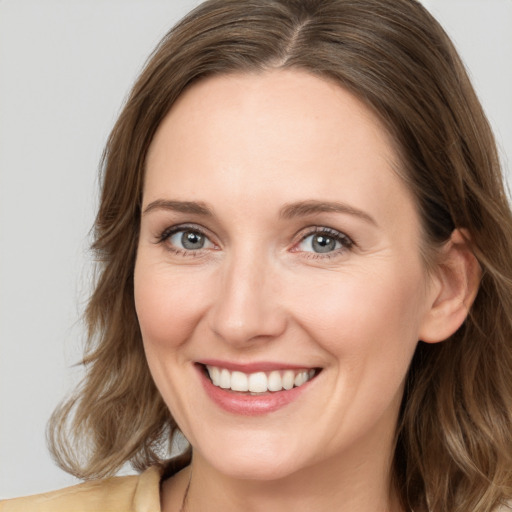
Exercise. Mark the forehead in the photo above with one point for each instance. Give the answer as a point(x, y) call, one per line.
point(244, 136)
point(279, 106)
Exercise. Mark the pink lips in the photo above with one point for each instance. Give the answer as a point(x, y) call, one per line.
point(245, 404)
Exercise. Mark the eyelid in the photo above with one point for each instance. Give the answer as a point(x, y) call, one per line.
point(171, 230)
point(163, 238)
point(345, 240)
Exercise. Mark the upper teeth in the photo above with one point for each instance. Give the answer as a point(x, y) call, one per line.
point(258, 382)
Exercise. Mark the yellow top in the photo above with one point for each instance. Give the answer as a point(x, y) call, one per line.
point(139, 493)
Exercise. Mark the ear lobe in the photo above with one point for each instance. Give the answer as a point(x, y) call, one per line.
point(456, 281)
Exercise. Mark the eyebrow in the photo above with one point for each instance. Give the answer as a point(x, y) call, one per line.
point(197, 208)
point(289, 211)
point(305, 208)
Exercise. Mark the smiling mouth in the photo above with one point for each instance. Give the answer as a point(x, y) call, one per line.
point(258, 383)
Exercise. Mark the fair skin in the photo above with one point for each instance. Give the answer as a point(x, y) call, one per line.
point(275, 234)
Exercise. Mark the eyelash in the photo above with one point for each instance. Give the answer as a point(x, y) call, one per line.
point(168, 232)
point(344, 240)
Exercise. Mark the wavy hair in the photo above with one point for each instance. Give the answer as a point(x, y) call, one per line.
point(454, 436)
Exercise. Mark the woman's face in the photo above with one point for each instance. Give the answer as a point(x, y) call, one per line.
point(278, 248)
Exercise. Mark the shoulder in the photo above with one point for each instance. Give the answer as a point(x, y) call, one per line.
point(139, 493)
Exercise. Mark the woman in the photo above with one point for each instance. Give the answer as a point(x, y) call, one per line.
point(304, 244)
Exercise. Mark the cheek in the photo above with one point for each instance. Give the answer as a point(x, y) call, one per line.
point(365, 316)
point(167, 304)
point(369, 327)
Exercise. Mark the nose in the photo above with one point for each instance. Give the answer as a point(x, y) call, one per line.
point(248, 307)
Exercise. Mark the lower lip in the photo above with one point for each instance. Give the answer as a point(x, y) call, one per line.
point(249, 405)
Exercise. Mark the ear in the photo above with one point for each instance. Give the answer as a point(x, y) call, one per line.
point(453, 289)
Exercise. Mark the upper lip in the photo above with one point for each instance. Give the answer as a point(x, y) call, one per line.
point(259, 366)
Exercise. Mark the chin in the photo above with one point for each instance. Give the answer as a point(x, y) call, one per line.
point(256, 470)
point(264, 462)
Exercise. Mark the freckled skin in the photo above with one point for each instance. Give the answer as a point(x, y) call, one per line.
point(246, 145)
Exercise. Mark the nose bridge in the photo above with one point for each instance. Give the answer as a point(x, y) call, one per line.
point(247, 307)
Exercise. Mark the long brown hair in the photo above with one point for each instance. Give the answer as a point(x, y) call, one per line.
point(454, 438)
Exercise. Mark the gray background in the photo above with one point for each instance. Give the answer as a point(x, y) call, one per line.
point(65, 68)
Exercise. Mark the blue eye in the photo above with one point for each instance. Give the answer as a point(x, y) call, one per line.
point(187, 239)
point(324, 241)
